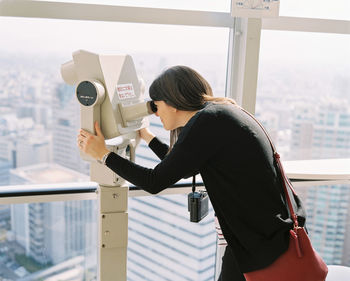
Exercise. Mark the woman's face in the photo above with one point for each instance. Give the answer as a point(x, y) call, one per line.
point(167, 115)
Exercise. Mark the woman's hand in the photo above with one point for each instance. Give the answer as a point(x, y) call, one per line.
point(146, 135)
point(93, 145)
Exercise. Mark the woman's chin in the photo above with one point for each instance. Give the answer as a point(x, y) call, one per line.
point(166, 128)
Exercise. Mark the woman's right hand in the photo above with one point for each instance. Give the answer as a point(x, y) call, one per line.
point(146, 135)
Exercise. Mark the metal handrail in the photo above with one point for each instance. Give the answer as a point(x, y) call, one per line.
point(15, 194)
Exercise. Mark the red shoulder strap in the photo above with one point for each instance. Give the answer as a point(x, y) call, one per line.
point(285, 181)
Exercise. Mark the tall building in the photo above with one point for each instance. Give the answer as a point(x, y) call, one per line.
point(346, 252)
point(23, 142)
point(8, 143)
point(163, 244)
point(66, 124)
point(53, 232)
point(324, 132)
point(34, 149)
point(5, 217)
point(332, 131)
point(5, 167)
point(321, 132)
point(327, 221)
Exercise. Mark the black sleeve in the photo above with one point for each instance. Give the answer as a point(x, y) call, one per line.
point(158, 147)
point(192, 150)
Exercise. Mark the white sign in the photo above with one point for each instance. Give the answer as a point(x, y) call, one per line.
point(125, 91)
point(255, 8)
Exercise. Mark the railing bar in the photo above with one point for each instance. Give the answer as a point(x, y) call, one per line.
point(23, 193)
point(48, 192)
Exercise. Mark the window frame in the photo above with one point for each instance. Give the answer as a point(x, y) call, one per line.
point(242, 62)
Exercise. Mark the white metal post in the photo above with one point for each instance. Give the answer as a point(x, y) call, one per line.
point(251, 64)
point(112, 233)
point(112, 196)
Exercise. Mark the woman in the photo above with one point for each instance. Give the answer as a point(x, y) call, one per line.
point(234, 157)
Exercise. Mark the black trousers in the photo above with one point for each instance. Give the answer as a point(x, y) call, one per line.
point(229, 269)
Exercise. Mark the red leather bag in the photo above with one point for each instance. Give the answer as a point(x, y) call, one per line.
point(300, 262)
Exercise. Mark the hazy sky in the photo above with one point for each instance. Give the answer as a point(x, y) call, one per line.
point(59, 36)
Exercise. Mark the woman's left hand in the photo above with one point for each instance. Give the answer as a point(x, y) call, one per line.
point(93, 145)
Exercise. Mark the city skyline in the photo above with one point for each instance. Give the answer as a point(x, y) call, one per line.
point(302, 98)
point(23, 116)
point(164, 250)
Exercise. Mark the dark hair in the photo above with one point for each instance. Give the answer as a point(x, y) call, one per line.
point(185, 89)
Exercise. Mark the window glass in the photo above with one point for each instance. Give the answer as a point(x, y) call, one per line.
point(39, 116)
point(48, 241)
point(336, 9)
point(164, 245)
point(328, 220)
point(303, 99)
point(39, 121)
point(202, 5)
point(58, 241)
point(303, 95)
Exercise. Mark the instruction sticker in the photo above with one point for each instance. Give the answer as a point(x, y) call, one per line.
point(125, 91)
point(255, 8)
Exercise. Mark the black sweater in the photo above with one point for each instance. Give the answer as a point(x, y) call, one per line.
point(235, 160)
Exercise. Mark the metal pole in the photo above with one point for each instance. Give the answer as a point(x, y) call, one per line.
point(112, 233)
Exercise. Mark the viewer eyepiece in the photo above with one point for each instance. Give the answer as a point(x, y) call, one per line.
point(153, 106)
